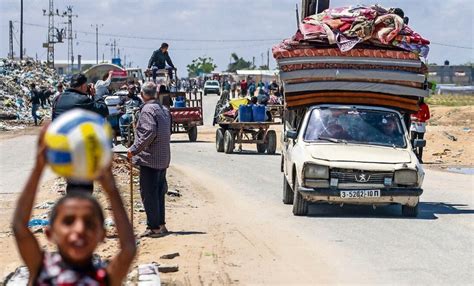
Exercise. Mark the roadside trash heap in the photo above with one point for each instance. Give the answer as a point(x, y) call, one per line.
point(355, 54)
point(15, 80)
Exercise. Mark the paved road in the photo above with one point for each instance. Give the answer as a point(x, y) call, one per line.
point(435, 248)
point(16, 161)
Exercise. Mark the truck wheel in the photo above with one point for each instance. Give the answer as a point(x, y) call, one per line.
point(287, 192)
point(261, 147)
point(220, 140)
point(300, 205)
point(271, 142)
point(193, 134)
point(229, 143)
point(408, 211)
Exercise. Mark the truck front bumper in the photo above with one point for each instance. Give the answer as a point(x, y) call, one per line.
point(403, 196)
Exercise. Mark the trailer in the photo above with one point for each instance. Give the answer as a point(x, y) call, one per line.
point(187, 118)
point(231, 133)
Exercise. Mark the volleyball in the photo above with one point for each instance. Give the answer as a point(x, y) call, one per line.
point(78, 145)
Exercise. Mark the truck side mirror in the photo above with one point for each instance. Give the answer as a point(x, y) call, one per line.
point(291, 134)
point(419, 143)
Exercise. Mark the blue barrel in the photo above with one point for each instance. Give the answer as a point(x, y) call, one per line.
point(258, 112)
point(245, 113)
point(180, 104)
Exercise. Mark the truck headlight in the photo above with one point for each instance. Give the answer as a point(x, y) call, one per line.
point(406, 177)
point(315, 172)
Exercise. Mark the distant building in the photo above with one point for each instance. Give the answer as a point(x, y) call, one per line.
point(447, 74)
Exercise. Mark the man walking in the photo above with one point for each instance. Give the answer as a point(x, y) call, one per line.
point(159, 59)
point(35, 98)
point(151, 151)
point(77, 97)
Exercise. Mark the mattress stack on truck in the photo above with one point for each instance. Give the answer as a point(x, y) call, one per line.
point(333, 67)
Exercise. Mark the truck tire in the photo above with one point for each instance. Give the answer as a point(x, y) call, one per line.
point(287, 192)
point(300, 205)
point(261, 147)
point(220, 140)
point(408, 211)
point(271, 142)
point(229, 143)
point(193, 134)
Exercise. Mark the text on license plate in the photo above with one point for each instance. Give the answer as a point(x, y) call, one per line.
point(360, 194)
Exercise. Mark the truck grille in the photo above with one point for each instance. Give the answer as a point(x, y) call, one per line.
point(360, 177)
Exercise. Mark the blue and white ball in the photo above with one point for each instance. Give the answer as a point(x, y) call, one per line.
point(79, 145)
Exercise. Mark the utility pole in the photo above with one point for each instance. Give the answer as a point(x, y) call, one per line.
point(10, 40)
point(70, 38)
point(53, 33)
point(21, 30)
point(268, 59)
point(97, 42)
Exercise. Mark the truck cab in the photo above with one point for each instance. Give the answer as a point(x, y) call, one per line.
point(349, 154)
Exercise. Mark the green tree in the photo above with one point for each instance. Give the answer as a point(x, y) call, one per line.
point(239, 64)
point(201, 65)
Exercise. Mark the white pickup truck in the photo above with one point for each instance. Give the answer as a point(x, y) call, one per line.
point(344, 154)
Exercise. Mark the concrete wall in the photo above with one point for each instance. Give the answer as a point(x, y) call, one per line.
point(459, 75)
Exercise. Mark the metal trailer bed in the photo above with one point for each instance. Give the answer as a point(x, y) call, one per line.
point(231, 133)
point(187, 119)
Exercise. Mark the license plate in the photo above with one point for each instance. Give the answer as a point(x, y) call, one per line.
point(359, 194)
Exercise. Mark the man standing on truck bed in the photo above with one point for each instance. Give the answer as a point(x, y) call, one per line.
point(159, 59)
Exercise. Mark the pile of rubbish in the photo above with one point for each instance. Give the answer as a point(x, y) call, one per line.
point(352, 53)
point(15, 80)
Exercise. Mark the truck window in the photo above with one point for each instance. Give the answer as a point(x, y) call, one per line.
point(369, 127)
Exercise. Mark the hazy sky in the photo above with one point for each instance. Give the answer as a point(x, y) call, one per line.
point(185, 23)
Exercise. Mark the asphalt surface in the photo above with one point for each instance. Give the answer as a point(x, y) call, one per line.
point(16, 162)
point(380, 245)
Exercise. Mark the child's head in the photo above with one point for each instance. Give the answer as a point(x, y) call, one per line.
point(76, 226)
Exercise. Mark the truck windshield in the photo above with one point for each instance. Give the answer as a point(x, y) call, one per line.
point(213, 83)
point(359, 126)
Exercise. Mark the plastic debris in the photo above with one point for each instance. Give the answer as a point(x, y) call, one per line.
point(148, 275)
point(173, 193)
point(19, 277)
point(108, 222)
point(45, 205)
point(38, 222)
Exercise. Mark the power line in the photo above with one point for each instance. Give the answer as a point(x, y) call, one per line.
point(176, 49)
point(213, 40)
point(166, 39)
point(452, 46)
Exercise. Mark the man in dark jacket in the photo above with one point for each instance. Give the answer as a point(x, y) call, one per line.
point(159, 59)
point(76, 97)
